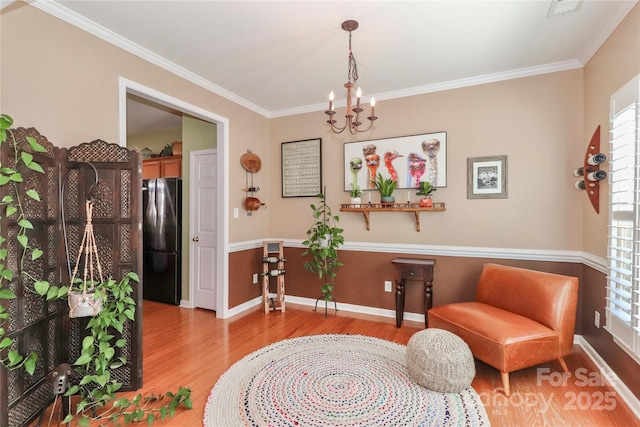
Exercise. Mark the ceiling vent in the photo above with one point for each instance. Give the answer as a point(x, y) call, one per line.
point(561, 7)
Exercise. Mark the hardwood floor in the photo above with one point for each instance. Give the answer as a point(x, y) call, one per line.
point(191, 348)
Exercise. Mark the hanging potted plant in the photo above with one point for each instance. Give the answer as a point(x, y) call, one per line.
point(323, 240)
point(425, 189)
point(99, 349)
point(385, 186)
point(86, 300)
point(98, 357)
point(355, 193)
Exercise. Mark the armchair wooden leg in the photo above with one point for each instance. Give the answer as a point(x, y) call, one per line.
point(505, 383)
point(563, 364)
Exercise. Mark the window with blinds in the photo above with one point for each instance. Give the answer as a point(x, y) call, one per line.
point(623, 287)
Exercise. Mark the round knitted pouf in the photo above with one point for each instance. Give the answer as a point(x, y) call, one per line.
point(440, 360)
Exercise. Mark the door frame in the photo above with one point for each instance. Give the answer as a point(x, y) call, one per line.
point(126, 86)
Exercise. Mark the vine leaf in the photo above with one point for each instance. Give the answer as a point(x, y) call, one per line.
point(33, 194)
point(25, 223)
point(23, 240)
point(7, 294)
point(35, 146)
point(41, 287)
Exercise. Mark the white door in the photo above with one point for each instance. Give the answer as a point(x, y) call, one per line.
point(203, 236)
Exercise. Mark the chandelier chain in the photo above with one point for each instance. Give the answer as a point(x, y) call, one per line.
point(353, 66)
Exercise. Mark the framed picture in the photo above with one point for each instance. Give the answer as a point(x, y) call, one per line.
point(406, 159)
point(302, 168)
point(487, 177)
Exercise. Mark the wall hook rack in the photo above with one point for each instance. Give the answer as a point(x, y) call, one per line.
point(252, 165)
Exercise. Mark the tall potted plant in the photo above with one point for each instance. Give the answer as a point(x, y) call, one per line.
point(324, 237)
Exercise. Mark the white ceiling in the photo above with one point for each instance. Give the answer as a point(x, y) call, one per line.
point(283, 57)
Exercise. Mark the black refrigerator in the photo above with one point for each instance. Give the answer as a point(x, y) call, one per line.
point(162, 239)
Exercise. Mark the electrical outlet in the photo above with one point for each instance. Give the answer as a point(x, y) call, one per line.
point(387, 286)
point(597, 319)
point(236, 213)
point(255, 278)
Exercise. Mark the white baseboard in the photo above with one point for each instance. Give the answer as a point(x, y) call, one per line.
point(353, 308)
point(609, 375)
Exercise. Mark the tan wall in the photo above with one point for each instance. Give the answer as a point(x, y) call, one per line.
point(536, 121)
point(64, 82)
point(616, 62)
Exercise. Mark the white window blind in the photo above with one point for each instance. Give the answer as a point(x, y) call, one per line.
point(623, 287)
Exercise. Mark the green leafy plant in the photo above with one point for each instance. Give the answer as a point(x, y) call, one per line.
point(324, 238)
point(385, 185)
point(12, 204)
point(355, 191)
point(425, 189)
point(98, 357)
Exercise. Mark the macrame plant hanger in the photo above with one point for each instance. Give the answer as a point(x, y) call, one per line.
point(86, 301)
point(86, 304)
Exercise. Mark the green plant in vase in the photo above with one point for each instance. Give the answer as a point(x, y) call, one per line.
point(324, 238)
point(355, 194)
point(385, 186)
point(425, 189)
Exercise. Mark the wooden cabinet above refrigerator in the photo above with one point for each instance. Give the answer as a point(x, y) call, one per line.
point(162, 167)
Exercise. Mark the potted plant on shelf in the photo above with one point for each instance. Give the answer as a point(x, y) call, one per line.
point(425, 189)
point(355, 193)
point(385, 186)
point(324, 238)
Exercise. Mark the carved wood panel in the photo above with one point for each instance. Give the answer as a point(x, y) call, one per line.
point(44, 327)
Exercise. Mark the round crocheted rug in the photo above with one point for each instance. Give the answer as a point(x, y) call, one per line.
point(333, 380)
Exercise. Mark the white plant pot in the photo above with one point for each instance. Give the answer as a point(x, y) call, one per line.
point(356, 201)
point(325, 242)
point(84, 305)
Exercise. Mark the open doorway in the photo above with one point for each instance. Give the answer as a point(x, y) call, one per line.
point(173, 108)
point(156, 132)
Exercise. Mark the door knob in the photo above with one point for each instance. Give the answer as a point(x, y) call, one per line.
point(196, 239)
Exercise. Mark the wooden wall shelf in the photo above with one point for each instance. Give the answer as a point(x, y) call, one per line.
point(367, 208)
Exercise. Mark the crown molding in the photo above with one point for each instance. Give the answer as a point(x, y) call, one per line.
point(448, 85)
point(55, 9)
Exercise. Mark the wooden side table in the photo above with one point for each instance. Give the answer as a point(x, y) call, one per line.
point(414, 269)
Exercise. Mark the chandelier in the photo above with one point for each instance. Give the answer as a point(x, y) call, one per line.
point(352, 113)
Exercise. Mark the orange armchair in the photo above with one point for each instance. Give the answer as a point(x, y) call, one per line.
point(520, 318)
